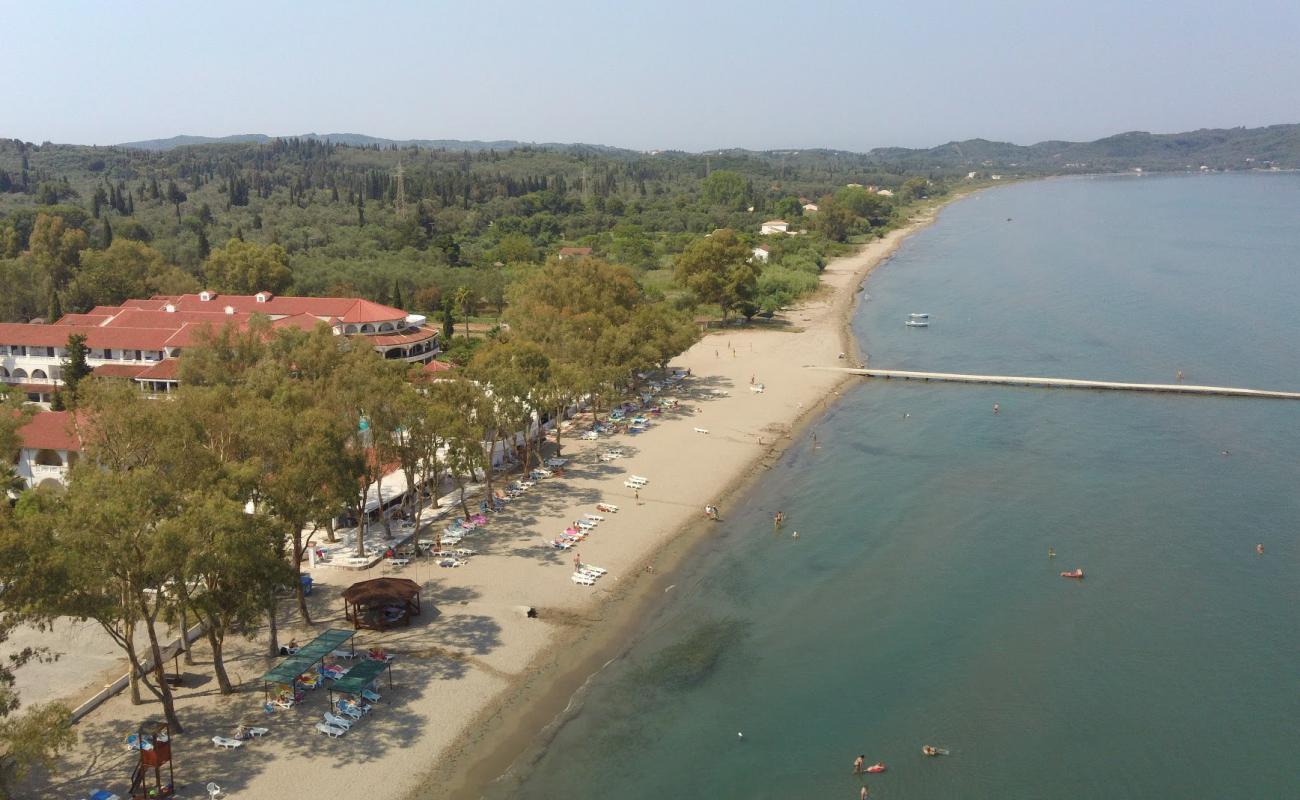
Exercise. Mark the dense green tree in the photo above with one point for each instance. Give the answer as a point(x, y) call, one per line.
point(727, 189)
point(719, 269)
point(247, 268)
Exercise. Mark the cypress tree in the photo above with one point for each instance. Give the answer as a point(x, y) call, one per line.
point(54, 309)
point(106, 237)
point(397, 294)
point(74, 364)
point(448, 322)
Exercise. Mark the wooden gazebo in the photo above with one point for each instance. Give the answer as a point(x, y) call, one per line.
point(381, 603)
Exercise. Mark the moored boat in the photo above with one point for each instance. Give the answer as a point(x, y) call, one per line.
point(917, 323)
point(1074, 573)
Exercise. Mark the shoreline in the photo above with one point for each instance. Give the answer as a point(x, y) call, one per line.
point(477, 678)
point(507, 731)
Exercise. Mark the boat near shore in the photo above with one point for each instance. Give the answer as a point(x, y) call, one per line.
point(919, 315)
point(917, 323)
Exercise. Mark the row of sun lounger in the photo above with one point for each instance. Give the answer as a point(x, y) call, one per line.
point(588, 574)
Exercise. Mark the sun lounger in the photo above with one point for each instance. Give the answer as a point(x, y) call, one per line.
point(589, 436)
point(226, 742)
point(465, 552)
point(583, 580)
point(561, 544)
point(556, 462)
point(371, 696)
point(255, 733)
point(608, 508)
point(595, 569)
point(638, 479)
point(399, 562)
point(331, 731)
point(701, 430)
point(353, 709)
point(338, 722)
point(380, 655)
point(594, 517)
point(451, 562)
point(757, 388)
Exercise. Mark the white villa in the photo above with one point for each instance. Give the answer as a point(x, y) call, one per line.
point(50, 446)
point(762, 253)
point(774, 226)
point(140, 340)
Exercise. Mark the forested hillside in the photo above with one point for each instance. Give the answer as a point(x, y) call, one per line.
point(81, 226)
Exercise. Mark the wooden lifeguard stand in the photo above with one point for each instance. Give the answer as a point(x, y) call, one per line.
point(155, 743)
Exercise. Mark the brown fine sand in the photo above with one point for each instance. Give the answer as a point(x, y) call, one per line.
point(475, 678)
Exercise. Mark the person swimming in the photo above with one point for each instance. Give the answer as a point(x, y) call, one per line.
point(1259, 548)
point(996, 408)
point(1051, 553)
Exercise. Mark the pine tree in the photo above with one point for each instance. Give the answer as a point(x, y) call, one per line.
point(361, 212)
point(54, 309)
point(448, 322)
point(397, 294)
point(106, 236)
point(74, 364)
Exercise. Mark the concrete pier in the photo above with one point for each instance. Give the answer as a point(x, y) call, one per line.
point(1068, 383)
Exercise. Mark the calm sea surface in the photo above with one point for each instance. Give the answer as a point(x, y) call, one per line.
point(918, 605)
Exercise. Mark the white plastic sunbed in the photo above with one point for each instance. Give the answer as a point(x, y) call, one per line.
point(331, 731)
point(556, 462)
point(633, 485)
point(584, 580)
point(226, 742)
point(594, 517)
point(587, 524)
point(608, 508)
point(337, 721)
point(639, 478)
point(594, 569)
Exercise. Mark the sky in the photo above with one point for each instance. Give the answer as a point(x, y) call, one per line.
point(663, 75)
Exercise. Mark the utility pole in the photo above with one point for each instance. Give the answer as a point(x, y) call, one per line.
point(400, 203)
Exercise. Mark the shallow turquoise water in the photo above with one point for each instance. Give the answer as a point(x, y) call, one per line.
point(918, 605)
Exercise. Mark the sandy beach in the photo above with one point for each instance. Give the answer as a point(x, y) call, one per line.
point(475, 677)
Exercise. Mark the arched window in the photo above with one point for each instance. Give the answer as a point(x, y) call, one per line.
point(48, 458)
point(20, 373)
point(367, 328)
point(350, 329)
point(385, 327)
point(39, 375)
point(4, 373)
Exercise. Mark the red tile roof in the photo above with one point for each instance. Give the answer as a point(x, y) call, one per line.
point(84, 319)
point(575, 251)
point(437, 366)
point(164, 370)
point(349, 309)
point(420, 335)
point(51, 430)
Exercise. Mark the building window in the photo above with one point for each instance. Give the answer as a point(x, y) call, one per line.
point(49, 352)
point(48, 458)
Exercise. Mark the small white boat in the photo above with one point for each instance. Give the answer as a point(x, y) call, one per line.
point(917, 323)
point(918, 315)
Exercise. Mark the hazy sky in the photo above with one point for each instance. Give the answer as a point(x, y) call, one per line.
point(691, 75)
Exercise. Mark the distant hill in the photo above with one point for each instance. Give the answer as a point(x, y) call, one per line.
point(1222, 148)
point(360, 140)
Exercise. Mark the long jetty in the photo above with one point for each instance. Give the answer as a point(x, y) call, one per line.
point(1068, 383)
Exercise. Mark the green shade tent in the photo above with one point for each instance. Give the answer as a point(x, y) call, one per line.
point(360, 677)
point(307, 657)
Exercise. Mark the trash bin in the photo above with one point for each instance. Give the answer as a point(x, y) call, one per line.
point(306, 583)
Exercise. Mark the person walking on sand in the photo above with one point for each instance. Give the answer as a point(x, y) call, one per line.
point(636, 494)
point(857, 764)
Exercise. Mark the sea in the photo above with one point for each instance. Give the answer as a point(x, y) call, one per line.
point(918, 604)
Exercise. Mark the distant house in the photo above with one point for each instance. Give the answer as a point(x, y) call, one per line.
point(573, 252)
point(810, 208)
point(774, 226)
point(762, 252)
point(970, 176)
